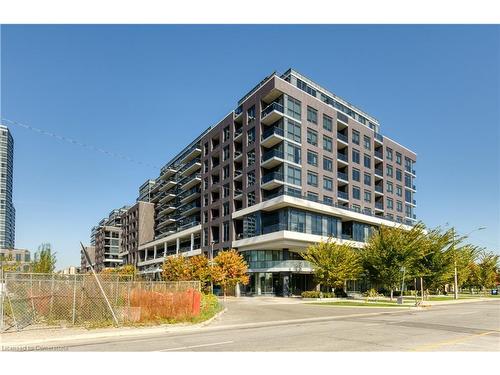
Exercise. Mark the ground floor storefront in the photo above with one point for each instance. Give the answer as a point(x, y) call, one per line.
point(278, 284)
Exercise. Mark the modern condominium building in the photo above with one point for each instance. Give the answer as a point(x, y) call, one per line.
point(7, 211)
point(293, 164)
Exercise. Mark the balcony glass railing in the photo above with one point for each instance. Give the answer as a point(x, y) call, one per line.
point(342, 194)
point(341, 156)
point(189, 178)
point(379, 154)
point(272, 153)
point(191, 163)
point(238, 110)
point(296, 265)
point(270, 108)
point(379, 137)
point(342, 117)
point(342, 176)
point(342, 137)
point(272, 176)
point(272, 131)
point(379, 205)
point(379, 172)
point(328, 203)
point(238, 132)
point(379, 188)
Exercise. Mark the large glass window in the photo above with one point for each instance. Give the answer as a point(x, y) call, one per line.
point(297, 221)
point(312, 137)
point(327, 123)
point(327, 143)
point(368, 179)
point(367, 161)
point(293, 175)
point(312, 178)
point(355, 174)
point(293, 130)
point(367, 142)
point(399, 174)
point(389, 171)
point(327, 164)
point(293, 108)
point(327, 183)
point(312, 158)
point(355, 156)
point(388, 153)
point(292, 153)
point(355, 137)
point(356, 193)
point(312, 115)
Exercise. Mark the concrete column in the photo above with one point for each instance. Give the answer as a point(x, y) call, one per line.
point(154, 252)
point(192, 241)
point(177, 246)
point(164, 249)
point(258, 291)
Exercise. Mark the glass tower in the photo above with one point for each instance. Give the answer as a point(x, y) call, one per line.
point(7, 211)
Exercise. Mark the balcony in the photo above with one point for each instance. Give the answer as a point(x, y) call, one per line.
point(342, 176)
point(343, 195)
point(272, 180)
point(379, 172)
point(272, 136)
point(238, 112)
point(238, 135)
point(190, 181)
point(168, 185)
point(378, 137)
point(342, 117)
point(167, 172)
point(280, 265)
point(379, 206)
point(379, 189)
point(163, 210)
point(272, 113)
point(272, 158)
point(238, 194)
point(238, 174)
point(191, 154)
point(342, 157)
point(191, 167)
point(379, 155)
point(237, 155)
point(343, 138)
point(189, 195)
point(166, 198)
point(190, 208)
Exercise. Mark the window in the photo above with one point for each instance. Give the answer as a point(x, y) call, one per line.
point(389, 187)
point(356, 193)
point(399, 206)
point(312, 179)
point(399, 174)
point(251, 198)
point(389, 171)
point(312, 137)
point(225, 191)
point(368, 196)
point(205, 149)
point(312, 196)
point(355, 174)
point(250, 178)
point(225, 231)
point(225, 153)
point(388, 153)
point(251, 136)
point(312, 158)
point(398, 158)
point(355, 137)
point(292, 153)
point(312, 115)
point(327, 164)
point(225, 208)
point(399, 191)
point(225, 173)
point(327, 183)
point(356, 207)
point(368, 179)
point(205, 183)
point(293, 108)
point(328, 200)
point(226, 134)
point(327, 143)
point(251, 158)
point(367, 142)
point(293, 130)
point(390, 203)
point(408, 197)
point(355, 156)
point(327, 123)
point(367, 161)
point(293, 175)
point(251, 113)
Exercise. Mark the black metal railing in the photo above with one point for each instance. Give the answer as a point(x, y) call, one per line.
point(270, 108)
point(272, 176)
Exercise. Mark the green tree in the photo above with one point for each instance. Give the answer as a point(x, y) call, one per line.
point(228, 269)
point(487, 269)
point(44, 260)
point(333, 263)
point(388, 250)
point(9, 264)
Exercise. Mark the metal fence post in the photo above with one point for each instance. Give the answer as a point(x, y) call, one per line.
point(74, 301)
point(2, 290)
point(32, 297)
point(51, 297)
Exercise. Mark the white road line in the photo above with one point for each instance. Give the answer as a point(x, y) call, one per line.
point(196, 346)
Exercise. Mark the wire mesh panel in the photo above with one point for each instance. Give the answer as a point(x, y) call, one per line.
point(62, 300)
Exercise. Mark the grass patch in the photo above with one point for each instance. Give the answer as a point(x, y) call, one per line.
point(362, 304)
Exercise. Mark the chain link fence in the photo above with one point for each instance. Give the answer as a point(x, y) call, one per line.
point(34, 300)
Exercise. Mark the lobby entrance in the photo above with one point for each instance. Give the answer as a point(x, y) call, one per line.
point(278, 284)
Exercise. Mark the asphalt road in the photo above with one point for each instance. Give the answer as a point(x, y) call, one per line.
point(274, 325)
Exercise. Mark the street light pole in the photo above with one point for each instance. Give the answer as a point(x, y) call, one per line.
point(211, 264)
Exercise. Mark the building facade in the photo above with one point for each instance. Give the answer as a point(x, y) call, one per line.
point(7, 211)
point(15, 258)
point(293, 164)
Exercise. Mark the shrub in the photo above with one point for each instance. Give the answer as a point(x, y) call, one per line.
point(315, 294)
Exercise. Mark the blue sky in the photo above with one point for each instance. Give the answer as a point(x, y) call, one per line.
point(146, 91)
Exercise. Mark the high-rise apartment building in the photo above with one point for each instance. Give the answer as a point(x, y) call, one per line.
point(292, 165)
point(7, 211)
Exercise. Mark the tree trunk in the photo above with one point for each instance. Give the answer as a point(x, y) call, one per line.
point(392, 293)
point(224, 288)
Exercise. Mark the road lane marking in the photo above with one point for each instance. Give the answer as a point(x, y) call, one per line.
point(196, 346)
point(438, 344)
